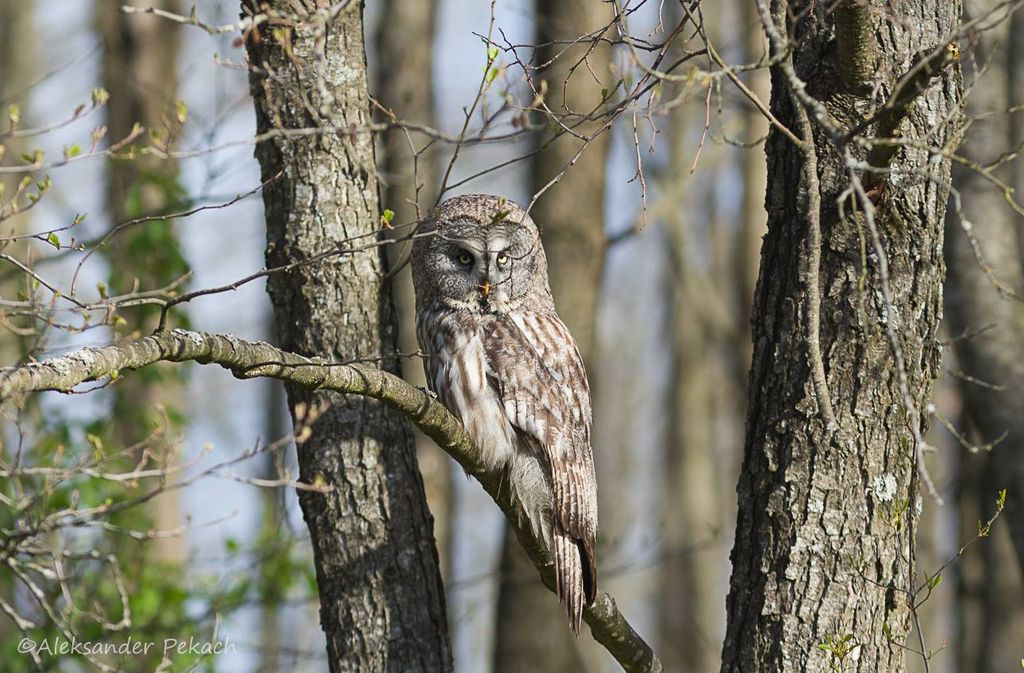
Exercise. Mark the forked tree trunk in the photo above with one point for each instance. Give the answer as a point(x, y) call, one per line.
point(381, 600)
point(823, 553)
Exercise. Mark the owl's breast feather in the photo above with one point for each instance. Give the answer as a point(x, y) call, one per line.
point(459, 377)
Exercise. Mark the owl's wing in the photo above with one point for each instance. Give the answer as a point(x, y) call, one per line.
point(538, 374)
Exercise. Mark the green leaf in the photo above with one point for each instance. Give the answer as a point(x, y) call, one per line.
point(54, 240)
point(101, 287)
point(13, 113)
point(181, 110)
point(100, 96)
point(387, 216)
point(72, 150)
point(492, 53)
point(79, 218)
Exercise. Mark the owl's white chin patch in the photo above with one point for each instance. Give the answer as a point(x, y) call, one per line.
point(497, 303)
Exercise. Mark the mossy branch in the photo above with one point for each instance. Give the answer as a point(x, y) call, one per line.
point(247, 360)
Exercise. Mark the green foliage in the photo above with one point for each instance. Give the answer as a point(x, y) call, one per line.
point(107, 558)
point(100, 96)
point(181, 111)
point(840, 647)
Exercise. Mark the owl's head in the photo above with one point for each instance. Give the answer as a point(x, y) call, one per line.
point(480, 253)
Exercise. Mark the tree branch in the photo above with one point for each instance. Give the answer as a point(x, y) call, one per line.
point(248, 360)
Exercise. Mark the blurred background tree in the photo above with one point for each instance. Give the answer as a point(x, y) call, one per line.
point(637, 133)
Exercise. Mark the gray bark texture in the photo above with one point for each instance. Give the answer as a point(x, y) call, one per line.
point(531, 634)
point(824, 539)
point(381, 597)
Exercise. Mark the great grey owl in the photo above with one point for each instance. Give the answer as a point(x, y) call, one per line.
point(502, 361)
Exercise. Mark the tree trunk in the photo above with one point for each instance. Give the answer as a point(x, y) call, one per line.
point(139, 68)
point(532, 634)
point(755, 186)
point(823, 558)
point(18, 68)
point(273, 512)
point(996, 354)
point(18, 46)
point(988, 330)
point(690, 608)
point(991, 617)
point(405, 41)
point(381, 599)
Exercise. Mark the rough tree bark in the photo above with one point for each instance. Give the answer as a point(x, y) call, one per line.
point(405, 42)
point(381, 599)
point(531, 631)
point(828, 495)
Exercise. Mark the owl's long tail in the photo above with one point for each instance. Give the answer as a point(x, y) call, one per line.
point(575, 575)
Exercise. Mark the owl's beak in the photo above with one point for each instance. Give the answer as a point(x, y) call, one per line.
point(486, 288)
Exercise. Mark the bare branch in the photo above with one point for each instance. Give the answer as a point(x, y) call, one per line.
point(248, 360)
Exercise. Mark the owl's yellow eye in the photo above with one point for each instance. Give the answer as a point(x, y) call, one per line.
point(464, 258)
point(502, 259)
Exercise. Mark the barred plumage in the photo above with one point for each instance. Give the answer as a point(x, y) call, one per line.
point(499, 357)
